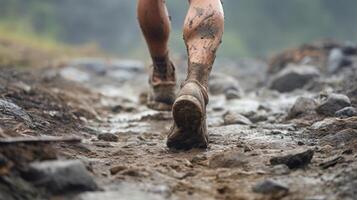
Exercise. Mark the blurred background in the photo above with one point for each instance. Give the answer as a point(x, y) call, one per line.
point(254, 28)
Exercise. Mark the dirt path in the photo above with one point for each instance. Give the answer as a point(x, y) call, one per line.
point(123, 142)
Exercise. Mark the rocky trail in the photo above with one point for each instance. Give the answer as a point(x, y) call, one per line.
point(286, 130)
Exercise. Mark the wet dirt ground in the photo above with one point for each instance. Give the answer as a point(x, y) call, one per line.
point(123, 142)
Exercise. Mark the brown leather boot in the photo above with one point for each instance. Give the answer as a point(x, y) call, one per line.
point(162, 90)
point(189, 113)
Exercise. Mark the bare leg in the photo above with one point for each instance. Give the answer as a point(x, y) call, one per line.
point(203, 30)
point(202, 33)
point(155, 25)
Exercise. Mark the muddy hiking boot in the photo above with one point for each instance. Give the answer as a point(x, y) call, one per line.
point(162, 83)
point(189, 113)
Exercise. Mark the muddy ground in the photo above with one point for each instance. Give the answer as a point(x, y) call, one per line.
point(82, 131)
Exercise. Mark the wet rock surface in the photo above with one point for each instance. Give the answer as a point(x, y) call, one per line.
point(9, 108)
point(109, 137)
point(223, 84)
point(294, 161)
point(263, 144)
point(61, 176)
point(346, 112)
point(293, 77)
point(302, 106)
point(333, 103)
point(228, 160)
point(235, 118)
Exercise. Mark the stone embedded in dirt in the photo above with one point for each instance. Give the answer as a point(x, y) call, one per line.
point(256, 117)
point(341, 138)
point(331, 126)
point(108, 137)
point(198, 158)
point(9, 108)
point(156, 116)
point(235, 118)
point(103, 144)
point(228, 160)
point(334, 102)
point(332, 162)
point(346, 112)
point(61, 176)
point(293, 77)
point(302, 105)
point(224, 84)
point(270, 187)
point(122, 108)
point(117, 169)
point(135, 172)
point(294, 161)
point(325, 149)
point(347, 152)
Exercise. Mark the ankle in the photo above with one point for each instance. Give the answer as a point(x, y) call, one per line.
point(163, 69)
point(200, 73)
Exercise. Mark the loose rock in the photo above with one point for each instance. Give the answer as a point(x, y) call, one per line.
point(61, 176)
point(224, 84)
point(9, 108)
point(256, 117)
point(117, 169)
point(228, 160)
point(235, 118)
point(294, 161)
point(293, 77)
point(346, 112)
point(108, 137)
point(270, 187)
point(343, 137)
point(332, 104)
point(302, 105)
point(331, 163)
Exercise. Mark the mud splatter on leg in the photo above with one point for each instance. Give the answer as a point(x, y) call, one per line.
point(202, 32)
